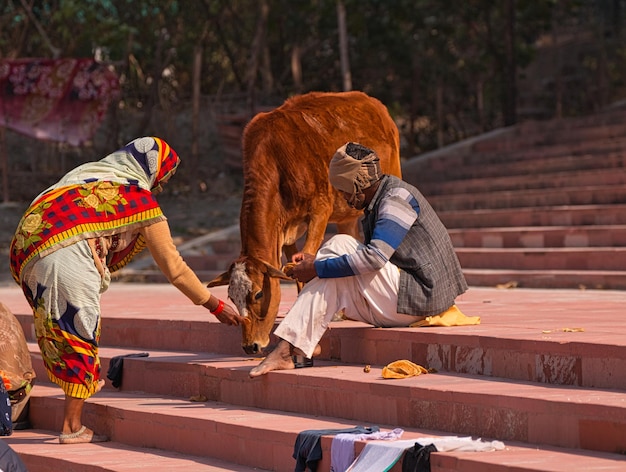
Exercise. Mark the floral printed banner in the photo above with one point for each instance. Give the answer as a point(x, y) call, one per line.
point(59, 100)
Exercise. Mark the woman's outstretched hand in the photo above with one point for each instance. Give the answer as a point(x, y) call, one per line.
point(224, 312)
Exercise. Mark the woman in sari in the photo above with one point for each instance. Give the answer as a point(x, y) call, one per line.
point(89, 224)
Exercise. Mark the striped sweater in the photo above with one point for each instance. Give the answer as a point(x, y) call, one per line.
point(400, 226)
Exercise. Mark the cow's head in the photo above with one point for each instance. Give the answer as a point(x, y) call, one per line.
point(254, 288)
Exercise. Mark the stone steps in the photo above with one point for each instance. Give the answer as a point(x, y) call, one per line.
point(565, 173)
point(491, 407)
point(528, 160)
point(155, 426)
point(563, 215)
point(576, 258)
point(433, 171)
point(601, 236)
point(537, 198)
point(550, 394)
point(546, 180)
point(547, 278)
point(40, 451)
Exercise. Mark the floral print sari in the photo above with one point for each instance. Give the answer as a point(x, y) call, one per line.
point(52, 260)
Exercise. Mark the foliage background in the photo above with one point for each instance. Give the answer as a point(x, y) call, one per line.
point(446, 70)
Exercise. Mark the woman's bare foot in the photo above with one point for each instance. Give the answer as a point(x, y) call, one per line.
point(279, 359)
point(83, 435)
point(100, 386)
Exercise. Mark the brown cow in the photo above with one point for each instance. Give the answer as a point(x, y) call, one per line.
point(287, 193)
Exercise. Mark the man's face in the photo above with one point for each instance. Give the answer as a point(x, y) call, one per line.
point(356, 200)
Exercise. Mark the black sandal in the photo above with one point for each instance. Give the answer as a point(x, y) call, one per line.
point(300, 362)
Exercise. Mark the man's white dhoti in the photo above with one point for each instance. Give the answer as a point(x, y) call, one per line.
point(371, 298)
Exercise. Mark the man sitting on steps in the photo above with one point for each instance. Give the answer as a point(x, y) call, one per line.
point(405, 271)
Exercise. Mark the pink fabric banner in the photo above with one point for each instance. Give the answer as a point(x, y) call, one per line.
point(59, 100)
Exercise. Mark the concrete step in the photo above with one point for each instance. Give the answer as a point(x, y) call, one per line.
point(567, 215)
point(503, 165)
point(563, 134)
point(452, 403)
point(547, 180)
point(265, 439)
point(537, 198)
point(547, 278)
point(554, 258)
point(615, 114)
point(520, 337)
point(41, 452)
point(540, 237)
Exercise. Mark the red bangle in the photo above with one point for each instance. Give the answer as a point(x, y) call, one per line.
point(218, 310)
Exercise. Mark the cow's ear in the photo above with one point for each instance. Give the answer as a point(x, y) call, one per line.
point(274, 272)
point(222, 279)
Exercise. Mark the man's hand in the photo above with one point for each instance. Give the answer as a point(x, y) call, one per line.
point(304, 268)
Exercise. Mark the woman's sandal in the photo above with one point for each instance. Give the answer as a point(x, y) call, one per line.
point(83, 435)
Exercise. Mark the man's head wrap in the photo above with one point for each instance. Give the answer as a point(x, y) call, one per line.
point(354, 168)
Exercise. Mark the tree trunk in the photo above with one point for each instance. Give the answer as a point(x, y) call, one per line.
point(161, 61)
point(343, 46)
point(480, 104)
point(510, 75)
point(56, 52)
point(195, 115)
point(440, 114)
point(296, 67)
point(258, 44)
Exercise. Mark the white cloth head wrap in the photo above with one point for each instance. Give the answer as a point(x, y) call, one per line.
point(354, 168)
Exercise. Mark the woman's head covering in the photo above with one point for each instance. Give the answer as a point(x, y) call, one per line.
point(147, 162)
point(354, 168)
point(157, 159)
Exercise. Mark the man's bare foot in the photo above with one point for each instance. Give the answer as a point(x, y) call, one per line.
point(279, 359)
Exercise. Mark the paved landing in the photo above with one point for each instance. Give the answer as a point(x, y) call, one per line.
point(561, 315)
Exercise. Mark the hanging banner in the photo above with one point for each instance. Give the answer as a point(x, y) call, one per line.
point(59, 100)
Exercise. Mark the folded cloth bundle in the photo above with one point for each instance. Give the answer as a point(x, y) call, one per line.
point(116, 367)
point(402, 369)
point(451, 317)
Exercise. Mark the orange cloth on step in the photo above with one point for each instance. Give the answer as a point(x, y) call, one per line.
point(402, 369)
point(451, 317)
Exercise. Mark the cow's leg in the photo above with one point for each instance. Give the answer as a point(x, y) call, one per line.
point(316, 229)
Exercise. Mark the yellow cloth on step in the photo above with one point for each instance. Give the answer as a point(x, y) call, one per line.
point(451, 317)
point(402, 369)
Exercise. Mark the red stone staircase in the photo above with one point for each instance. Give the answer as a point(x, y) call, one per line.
point(541, 373)
point(541, 204)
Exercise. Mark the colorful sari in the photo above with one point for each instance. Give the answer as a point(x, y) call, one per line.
point(52, 260)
